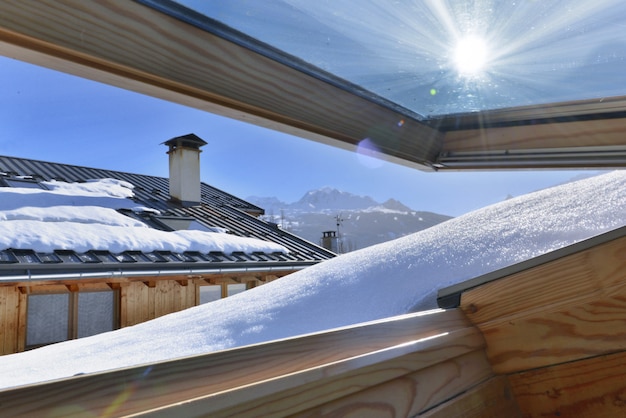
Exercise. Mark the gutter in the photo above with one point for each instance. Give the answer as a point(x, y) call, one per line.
point(30, 275)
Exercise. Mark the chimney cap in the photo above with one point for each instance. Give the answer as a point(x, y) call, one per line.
point(188, 141)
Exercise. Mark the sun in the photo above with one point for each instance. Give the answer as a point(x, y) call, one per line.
point(470, 56)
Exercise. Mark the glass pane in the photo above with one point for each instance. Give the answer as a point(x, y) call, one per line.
point(47, 319)
point(442, 57)
point(233, 289)
point(210, 293)
point(95, 313)
point(23, 184)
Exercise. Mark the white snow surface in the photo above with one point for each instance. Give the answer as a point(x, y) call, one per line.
point(388, 279)
point(83, 217)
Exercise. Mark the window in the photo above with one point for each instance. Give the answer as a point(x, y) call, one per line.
point(30, 184)
point(210, 293)
point(179, 223)
point(233, 289)
point(55, 317)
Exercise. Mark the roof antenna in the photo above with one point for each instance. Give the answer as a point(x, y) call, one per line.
point(339, 220)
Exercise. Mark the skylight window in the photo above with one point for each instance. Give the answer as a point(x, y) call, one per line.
point(23, 183)
point(176, 223)
point(414, 54)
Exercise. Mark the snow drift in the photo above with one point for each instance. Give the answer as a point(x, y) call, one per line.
point(384, 280)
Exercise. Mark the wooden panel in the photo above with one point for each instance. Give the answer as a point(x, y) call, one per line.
point(225, 379)
point(564, 310)
point(592, 388)
point(21, 325)
point(491, 399)
point(591, 133)
point(410, 394)
point(163, 297)
point(136, 301)
point(172, 60)
point(11, 311)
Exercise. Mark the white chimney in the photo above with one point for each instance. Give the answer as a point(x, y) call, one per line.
point(184, 152)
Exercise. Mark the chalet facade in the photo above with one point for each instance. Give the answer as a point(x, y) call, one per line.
point(56, 284)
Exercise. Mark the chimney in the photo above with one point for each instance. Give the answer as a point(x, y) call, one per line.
point(184, 152)
point(329, 241)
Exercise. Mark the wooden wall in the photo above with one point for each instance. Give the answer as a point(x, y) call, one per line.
point(142, 301)
point(13, 324)
point(139, 299)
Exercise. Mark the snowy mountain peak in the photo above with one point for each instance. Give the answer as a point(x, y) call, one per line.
point(396, 205)
point(328, 198)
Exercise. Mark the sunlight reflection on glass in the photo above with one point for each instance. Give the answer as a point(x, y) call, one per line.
point(471, 55)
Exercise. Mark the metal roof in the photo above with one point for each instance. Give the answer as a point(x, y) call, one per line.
point(218, 210)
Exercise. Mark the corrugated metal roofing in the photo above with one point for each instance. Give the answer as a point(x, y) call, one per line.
point(218, 209)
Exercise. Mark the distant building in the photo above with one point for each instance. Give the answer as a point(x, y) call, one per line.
point(77, 258)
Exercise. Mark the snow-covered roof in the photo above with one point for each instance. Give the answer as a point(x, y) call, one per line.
point(89, 219)
point(84, 216)
point(388, 279)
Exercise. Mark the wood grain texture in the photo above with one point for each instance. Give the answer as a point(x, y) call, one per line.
point(206, 377)
point(137, 48)
point(591, 133)
point(491, 399)
point(591, 388)
point(567, 309)
point(10, 322)
point(413, 393)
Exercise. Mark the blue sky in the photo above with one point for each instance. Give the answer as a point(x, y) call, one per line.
point(52, 116)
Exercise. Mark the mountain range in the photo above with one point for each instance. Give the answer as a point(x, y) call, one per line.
point(358, 221)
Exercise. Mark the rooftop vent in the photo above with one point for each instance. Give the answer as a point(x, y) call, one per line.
point(184, 152)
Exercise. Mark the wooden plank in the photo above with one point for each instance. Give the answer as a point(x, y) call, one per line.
point(135, 298)
point(559, 335)
point(591, 133)
point(21, 324)
point(564, 310)
point(201, 377)
point(5, 320)
point(169, 59)
point(591, 388)
point(410, 394)
point(9, 320)
point(126, 314)
point(163, 298)
point(491, 399)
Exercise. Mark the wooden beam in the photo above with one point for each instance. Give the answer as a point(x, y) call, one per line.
point(591, 388)
point(404, 395)
point(493, 398)
point(72, 287)
point(272, 367)
point(590, 133)
point(565, 310)
point(132, 46)
point(578, 143)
